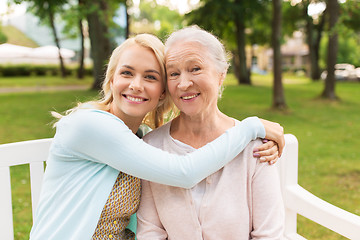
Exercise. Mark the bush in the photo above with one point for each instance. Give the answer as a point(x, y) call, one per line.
point(15, 70)
point(37, 70)
point(3, 37)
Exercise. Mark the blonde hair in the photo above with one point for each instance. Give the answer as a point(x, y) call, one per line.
point(165, 108)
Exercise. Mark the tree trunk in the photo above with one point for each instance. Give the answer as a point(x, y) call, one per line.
point(319, 31)
point(314, 34)
point(57, 42)
point(333, 14)
point(100, 42)
point(278, 91)
point(127, 32)
point(315, 68)
point(235, 64)
point(244, 77)
point(80, 72)
point(311, 43)
point(252, 55)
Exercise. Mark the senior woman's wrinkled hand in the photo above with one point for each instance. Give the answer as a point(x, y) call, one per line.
point(274, 132)
point(267, 152)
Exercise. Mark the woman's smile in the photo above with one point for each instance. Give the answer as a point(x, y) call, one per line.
point(134, 99)
point(189, 97)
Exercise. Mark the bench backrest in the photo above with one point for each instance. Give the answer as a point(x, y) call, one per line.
point(33, 153)
point(297, 200)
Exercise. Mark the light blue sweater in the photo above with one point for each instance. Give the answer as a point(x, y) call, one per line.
point(89, 149)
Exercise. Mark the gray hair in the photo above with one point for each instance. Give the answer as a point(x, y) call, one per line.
point(212, 44)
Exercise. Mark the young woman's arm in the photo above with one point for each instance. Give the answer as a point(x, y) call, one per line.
point(104, 138)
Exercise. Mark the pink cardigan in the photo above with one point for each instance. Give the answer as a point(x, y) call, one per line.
point(241, 201)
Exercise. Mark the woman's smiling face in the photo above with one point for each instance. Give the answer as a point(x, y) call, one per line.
point(137, 85)
point(193, 80)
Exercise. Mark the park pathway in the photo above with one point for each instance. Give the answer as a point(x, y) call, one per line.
point(42, 89)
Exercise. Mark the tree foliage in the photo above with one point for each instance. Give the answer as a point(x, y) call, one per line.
point(350, 14)
point(348, 51)
point(156, 19)
point(239, 22)
point(296, 17)
point(99, 15)
point(47, 10)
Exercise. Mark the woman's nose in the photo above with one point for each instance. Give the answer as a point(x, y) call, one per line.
point(136, 84)
point(185, 82)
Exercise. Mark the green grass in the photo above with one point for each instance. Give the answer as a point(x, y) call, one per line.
point(329, 159)
point(26, 116)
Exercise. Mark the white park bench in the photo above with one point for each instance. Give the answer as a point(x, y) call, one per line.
point(297, 200)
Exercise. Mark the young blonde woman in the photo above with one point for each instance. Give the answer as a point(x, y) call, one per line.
point(91, 185)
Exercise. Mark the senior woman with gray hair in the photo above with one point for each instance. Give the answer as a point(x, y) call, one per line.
point(241, 200)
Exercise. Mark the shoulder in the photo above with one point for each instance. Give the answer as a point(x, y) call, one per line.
point(85, 118)
point(254, 143)
point(246, 160)
point(88, 124)
point(158, 133)
point(248, 150)
point(90, 114)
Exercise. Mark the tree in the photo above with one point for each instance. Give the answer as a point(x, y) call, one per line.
point(101, 47)
point(350, 15)
point(156, 19)
point(74, 18)
point(229, 20)
point(314, 34)
point(46, 10)
point(278, 91)
point(244, 76)
point(127, 4)
point(80, 72)
point(99, 16)
point(333, 16)
point(296, 17)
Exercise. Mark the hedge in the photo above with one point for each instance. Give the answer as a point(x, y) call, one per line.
point(36, 70)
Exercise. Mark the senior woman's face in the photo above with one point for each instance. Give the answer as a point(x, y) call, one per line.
point(193, 81)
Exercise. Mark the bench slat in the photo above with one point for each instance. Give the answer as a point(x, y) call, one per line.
point(6, 217)
point(308, 205)
point(18, 153)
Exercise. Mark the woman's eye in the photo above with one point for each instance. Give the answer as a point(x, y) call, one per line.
point(126, 73)
point(174, 74)
point(151, 77)
point(195, 69)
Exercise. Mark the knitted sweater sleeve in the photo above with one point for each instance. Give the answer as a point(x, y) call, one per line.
point(101, 137)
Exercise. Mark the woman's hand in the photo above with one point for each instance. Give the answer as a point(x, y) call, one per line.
point(274, 132)
point(267, 152)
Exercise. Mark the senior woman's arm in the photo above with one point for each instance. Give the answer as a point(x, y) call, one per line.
point(267, 204)
point(101, 137)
